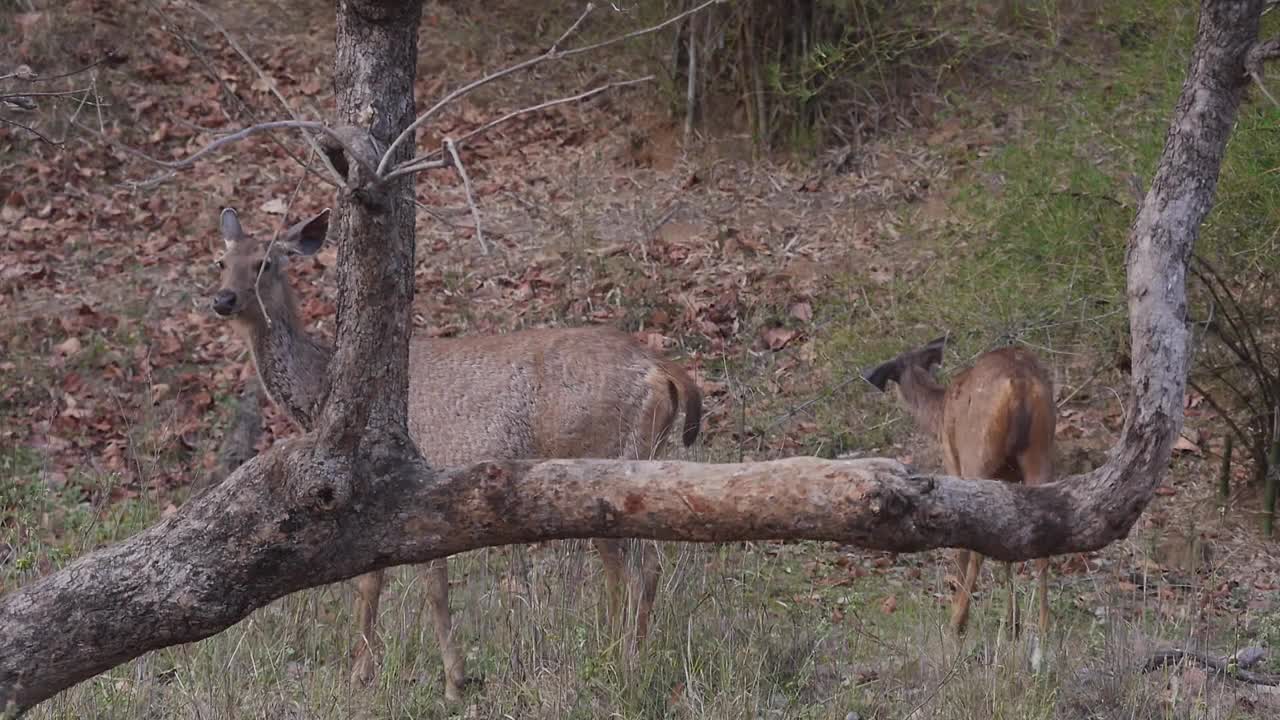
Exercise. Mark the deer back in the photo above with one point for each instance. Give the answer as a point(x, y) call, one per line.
point(999, 416)
point(547, 393)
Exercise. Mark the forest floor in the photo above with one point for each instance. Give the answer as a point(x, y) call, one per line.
point(994, 208)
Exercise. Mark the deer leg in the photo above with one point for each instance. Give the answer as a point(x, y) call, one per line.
point(1042, 569)
point(962, 561)
point(611, 557)
point(1011, 604)
point(368, 590)
point(644, 587)
point(1042, 637)
point(436, 576)
point(960, 603)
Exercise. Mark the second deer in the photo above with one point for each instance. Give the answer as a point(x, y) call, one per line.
point(555, 393)
point(995, 420)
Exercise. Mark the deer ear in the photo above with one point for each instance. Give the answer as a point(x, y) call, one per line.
point(229, 225)
point(933, 352)
point(307, 237)
point(880, 375)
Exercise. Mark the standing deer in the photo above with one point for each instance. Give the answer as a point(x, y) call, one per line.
point(995, 420)
point(550, 393)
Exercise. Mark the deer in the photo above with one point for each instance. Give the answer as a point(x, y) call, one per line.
point(994, 420)
point(548, 393)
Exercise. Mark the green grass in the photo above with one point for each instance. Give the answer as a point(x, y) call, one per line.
point(1033, 248)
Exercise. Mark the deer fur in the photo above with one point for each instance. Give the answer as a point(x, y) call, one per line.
point(995, 420)
point(547, 393)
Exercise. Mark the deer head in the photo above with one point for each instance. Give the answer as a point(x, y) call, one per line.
point(253, 269)
point(925, 358)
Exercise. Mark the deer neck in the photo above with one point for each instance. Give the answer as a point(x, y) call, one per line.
point(291, 363)
point(923, 397)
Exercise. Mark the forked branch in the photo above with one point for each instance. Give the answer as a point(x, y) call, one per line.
point(333, 135)
point(553, 53)
point(436, 158)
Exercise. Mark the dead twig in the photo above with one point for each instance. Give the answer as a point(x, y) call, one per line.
point(1232, 667)
point(434, 158)
point(271, 85)
point(39, 135)
point(466, 187)
point(26, 74)
point(50, 93)
point(554, 53)
point(1254, 60)
point(565, 35)
point(173, 165)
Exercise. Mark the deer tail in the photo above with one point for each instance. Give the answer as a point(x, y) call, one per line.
point(686, 394)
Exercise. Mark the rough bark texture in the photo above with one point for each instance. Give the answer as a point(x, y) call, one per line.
point(374, 70)
point(272, 527)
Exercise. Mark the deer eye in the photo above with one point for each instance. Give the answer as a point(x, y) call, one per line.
point(262, 265)
point(219, 264)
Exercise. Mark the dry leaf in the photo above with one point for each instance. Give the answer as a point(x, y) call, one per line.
point(776, 338)
point(1185, 444)
point(275, 206)
point(68, 347)
point(889, 604)
point(802, 311)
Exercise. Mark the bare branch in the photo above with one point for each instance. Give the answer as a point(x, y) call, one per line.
point(644, 31)
point(29, 76)
point(271, 84)
point(466, 187)
point(1227, 668)
point(189, 161)
point(1255, 60)
point(50, 93)
point(565, 35)
point(554, 53)
point(433, 159)
point(419, 165)
point(173, 28)
point(22, 72)
point(19, 102)
point(39, 135)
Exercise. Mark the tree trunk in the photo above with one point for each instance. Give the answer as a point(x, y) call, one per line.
point(374, 71)
point(355, 495)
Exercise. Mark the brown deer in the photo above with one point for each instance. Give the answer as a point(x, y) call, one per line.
point(547, 393)
point(995, 420)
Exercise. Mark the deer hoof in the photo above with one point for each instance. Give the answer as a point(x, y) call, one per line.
point(452, 693)
point(1038, 661)
point(365, 670)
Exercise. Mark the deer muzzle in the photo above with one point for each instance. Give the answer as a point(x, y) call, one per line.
point(224, 303)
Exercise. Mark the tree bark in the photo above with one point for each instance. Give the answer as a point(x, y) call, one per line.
point(356, 496)
point(374, 70)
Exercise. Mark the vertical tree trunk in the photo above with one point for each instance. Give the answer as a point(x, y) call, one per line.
point(1161, 241)
point(374, 71)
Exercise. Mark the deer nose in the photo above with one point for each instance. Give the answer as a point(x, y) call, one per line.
point(224, 302)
